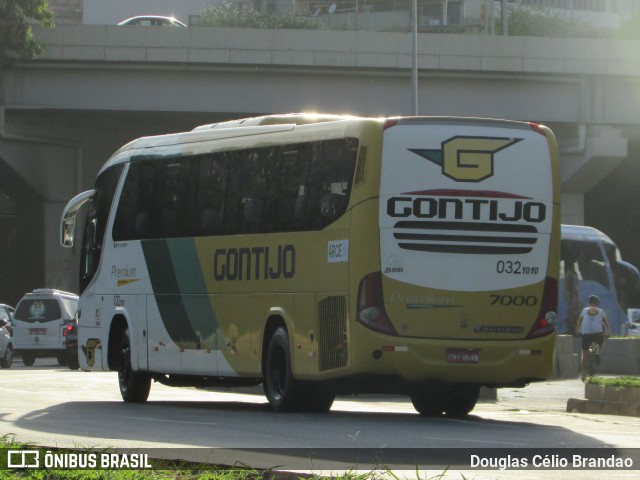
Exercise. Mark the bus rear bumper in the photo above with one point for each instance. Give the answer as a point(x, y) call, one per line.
point(501, 363)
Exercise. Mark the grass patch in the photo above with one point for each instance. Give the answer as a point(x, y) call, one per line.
point(177, 470)
point(633, 382)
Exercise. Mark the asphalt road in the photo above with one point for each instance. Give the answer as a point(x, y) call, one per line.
point(53, 406)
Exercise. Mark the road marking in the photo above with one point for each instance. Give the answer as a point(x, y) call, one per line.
point(171, 421)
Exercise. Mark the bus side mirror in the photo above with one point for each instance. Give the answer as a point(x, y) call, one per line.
point(68, 230)
point(68, 221)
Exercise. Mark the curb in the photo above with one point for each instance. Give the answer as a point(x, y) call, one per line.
point(583, 405)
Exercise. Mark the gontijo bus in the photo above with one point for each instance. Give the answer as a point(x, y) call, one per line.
point(323, 255)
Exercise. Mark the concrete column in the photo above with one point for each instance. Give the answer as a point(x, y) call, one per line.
point(601, 150)
point(42, 175)
point(572, 208)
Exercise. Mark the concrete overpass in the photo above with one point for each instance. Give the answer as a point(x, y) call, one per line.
point(100, 86)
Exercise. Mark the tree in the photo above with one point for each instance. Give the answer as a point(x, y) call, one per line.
point(17, 40)
point(228, 15)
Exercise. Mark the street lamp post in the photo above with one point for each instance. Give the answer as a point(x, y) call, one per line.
point(414, 62)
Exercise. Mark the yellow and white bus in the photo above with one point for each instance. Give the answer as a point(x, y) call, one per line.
point(324, 255)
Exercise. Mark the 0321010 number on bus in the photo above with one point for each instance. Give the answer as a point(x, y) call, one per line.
point(515, 268)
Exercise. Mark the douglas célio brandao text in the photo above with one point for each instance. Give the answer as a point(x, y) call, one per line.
point(566, 461)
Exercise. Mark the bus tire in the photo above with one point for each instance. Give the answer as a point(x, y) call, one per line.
point(462, 398)
point(134, 386)
point(28, 359)
point(282, 390)
point(429, 402)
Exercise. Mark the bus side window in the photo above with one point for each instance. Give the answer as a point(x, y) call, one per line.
point(330, 180)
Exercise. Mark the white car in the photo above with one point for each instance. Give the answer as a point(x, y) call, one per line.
point(40, 325)
point(633, 324)
point(152, 20)
point(6, 347)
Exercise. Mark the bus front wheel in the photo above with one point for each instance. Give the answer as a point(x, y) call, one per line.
point(134, 386)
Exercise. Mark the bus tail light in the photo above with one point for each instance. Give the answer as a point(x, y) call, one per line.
point(536, 127)
point(371, 312)
point(546, 321)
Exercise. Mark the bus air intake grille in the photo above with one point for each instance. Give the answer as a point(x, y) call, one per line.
point(332, 333)
point(360, 166)
point(465, 237)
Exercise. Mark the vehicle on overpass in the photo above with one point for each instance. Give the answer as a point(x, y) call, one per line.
point(591, 264)
point(152, 21)
point(324, 255)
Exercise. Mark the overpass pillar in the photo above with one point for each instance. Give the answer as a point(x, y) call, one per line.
point(39, 175)
point(598, 150)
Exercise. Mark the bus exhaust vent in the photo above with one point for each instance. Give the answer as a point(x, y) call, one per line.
point(360, 166)
point(332, 333)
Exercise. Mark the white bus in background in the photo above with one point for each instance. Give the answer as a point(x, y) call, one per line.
point(591, 264)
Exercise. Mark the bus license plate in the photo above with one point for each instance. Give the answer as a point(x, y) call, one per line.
point(461, 355)
point(37, 331)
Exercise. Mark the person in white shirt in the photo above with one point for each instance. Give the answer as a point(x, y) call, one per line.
point(593, 325)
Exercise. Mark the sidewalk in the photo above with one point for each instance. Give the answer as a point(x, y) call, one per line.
point(550, 395)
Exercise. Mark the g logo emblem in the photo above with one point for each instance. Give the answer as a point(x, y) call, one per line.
point(467, 159)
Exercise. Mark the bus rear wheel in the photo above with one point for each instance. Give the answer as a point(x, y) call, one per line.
point(462, 399)
point(284, 392)
point(429, 402)
point(455, 400)
point(134, 386)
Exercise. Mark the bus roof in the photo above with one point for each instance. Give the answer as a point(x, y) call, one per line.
point(264, 125)
point(584, 233)
point(288, 118)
